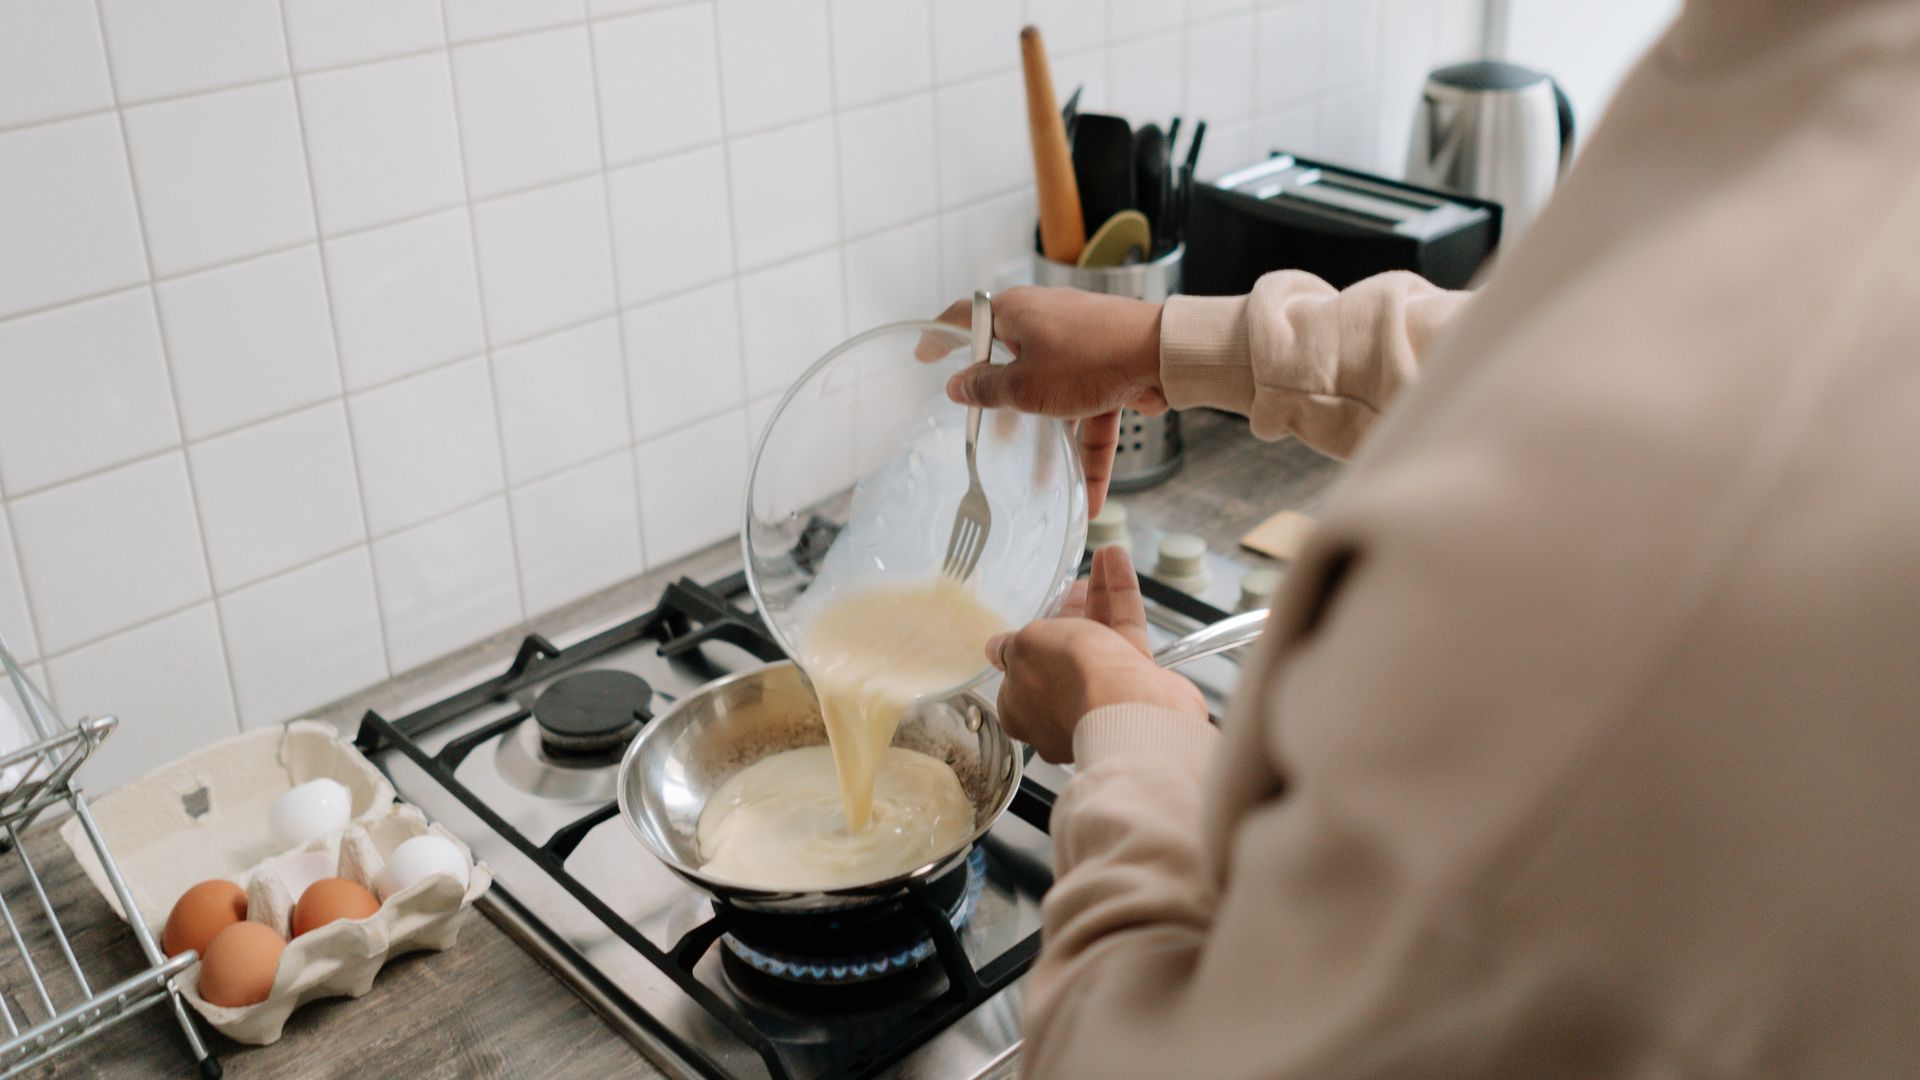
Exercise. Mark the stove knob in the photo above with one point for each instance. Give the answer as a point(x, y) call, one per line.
point(1183, 562)
point(1257, 589)
point(1109, 528)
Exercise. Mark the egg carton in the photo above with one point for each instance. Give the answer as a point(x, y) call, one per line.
point(205, 816)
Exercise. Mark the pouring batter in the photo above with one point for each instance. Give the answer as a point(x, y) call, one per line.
point(870, 655)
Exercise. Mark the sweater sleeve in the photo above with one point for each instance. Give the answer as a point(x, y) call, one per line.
point(1299, 357)
point(1127, 840)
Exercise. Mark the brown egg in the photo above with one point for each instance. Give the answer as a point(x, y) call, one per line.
point(237, 968)
point(201, 912)
point(329, 899)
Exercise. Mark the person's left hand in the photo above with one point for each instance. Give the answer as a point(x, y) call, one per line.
point(1094, 654)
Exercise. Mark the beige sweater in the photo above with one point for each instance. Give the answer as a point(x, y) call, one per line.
point(1587, 742)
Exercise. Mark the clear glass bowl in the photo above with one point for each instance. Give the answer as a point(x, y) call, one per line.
point(860, 467)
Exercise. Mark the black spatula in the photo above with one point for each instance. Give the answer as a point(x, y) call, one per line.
point(1153, 181)
point(1103, 166)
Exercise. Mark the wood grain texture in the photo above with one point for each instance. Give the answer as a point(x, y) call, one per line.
point(1063, 229)
point(486, 1008)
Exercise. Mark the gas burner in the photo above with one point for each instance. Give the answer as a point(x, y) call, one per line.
point(591, 712)
point(875, 942)
point(525, 761)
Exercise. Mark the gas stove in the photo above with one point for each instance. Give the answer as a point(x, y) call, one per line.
point(522, 767)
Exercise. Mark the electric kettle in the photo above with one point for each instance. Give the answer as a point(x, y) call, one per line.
point(1495, 131)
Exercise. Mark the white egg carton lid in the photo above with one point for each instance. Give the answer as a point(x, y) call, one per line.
point(204, 816)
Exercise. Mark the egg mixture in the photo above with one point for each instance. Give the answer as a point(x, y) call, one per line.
point(860, 809)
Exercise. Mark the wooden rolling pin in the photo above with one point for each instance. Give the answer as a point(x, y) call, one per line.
point(1063, 231)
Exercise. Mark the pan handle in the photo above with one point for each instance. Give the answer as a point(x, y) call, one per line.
point(1220, 637)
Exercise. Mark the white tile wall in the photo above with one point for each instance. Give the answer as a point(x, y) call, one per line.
point(85, 387)
point(304, 638)
point(50, 61)
point(577, 532)
point(447, 583)
point(786, 196)
point(67, 212)
point(405, 298)
point(220, 176)
point(563, 399)
point(775, 62)
point(672, 228)
point(659, 77)
point(382, 142)
point(278, 494)
point(338, 334)
point(427, 445)
point(249, 340)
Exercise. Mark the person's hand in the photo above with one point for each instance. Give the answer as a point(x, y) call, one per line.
point(1095, 654)
point(1077, 356)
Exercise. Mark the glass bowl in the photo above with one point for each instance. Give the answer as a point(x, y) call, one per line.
point(861, 465)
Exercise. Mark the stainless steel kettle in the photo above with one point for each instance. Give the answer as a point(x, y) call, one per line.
point(1496, 131)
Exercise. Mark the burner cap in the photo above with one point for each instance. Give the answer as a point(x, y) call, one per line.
point(591, 712)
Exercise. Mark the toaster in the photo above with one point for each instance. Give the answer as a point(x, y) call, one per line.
point(1290, 213)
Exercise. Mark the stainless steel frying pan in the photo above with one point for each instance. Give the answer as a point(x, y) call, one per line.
point(687, 752)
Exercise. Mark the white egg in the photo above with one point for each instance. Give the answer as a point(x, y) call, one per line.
point(418, 859)
point(312, 809)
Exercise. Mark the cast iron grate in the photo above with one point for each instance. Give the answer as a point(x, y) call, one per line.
point(688, 616)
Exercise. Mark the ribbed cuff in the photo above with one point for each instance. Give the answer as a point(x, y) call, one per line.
point(1205, 355)
point(1164, 733)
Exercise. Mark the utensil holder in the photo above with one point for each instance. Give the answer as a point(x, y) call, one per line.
point(1150, 450)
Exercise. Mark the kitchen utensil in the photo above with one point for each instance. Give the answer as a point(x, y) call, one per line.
point(1103, 167)
point(1063, 230)
point(973, 520)
point(1343, 225)
point(1193, 146)
point(1495, 131)
point(1125, 238)
point(1071, 110)
point(867, 440)
point(1150, 448)
point(1153, 182)
point(1214, 639)
point(683, 755)
point(1183, 189)
point(1173, 134)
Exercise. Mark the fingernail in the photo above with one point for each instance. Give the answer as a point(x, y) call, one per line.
point(994, 645)
point(957, 390)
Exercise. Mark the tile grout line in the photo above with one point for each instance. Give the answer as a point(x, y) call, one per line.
point(333, 553)
point(839, 180)
point(486, 321)
point(173, 390)
point(339, 365)
point(933, 109)
point(733, 230)
point(613, 266)
point(26, 600)
point(294, 71)
point(350, 393)
point(322, 237)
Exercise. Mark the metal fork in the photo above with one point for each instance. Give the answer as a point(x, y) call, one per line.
point(973, 520)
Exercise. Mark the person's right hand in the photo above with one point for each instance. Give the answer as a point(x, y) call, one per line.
point(1077, 356)
point(1094, 654)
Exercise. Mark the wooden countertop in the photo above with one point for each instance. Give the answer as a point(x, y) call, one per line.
point(487, 1008)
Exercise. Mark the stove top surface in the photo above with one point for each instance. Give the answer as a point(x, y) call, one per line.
point(522, 767)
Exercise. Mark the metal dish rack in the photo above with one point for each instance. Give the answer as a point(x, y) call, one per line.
point(45, 778)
